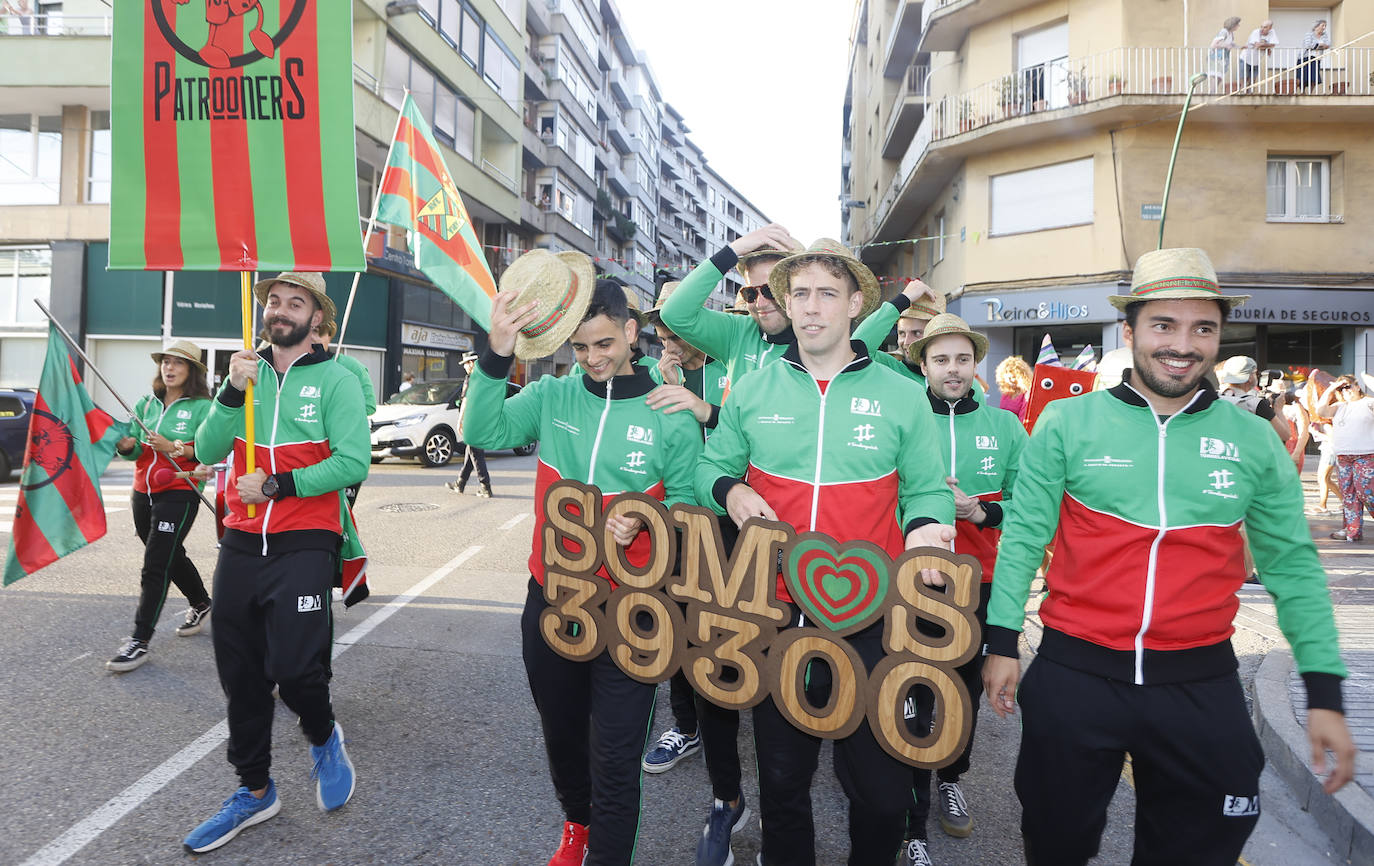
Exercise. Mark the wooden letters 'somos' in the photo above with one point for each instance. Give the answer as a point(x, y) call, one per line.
point(719, 619)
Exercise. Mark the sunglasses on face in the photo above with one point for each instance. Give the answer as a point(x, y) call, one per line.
point(751, 293)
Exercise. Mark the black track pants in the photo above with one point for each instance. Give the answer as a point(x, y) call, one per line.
point(1195, 759)
point(474, 457)
point(273, 624)
point(596, 723)
point(162, 525)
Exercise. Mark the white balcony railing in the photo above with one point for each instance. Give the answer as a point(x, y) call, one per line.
point(54, 24)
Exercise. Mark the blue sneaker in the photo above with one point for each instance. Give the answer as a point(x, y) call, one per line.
point(670, 748)
point(239, 811)
point(714, 847)
point(333, 773)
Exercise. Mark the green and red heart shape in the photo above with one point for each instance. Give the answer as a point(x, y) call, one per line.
point(841, 588)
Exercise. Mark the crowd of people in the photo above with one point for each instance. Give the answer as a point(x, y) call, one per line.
point(1257, 52)
point(787, 409)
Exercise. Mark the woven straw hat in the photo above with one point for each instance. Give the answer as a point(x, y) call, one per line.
point(765, 253)
point(942, 326)
point(868, 284)
point(655, 315)
point(925, 308)
point(563, 283)
point(1183, 273)
point(311, 282)
point(183, 349)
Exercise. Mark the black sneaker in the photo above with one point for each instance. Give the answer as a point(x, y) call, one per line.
point(455, 486)
point(195, 620)
point(484, 492)
point(915, 852)
point(954, 817)
point(132, 655)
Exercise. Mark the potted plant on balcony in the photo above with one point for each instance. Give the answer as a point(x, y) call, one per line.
point(965, 115)
point(1079, 84)
point(1162, 84)
point(1115, 83)
point(1011, 95)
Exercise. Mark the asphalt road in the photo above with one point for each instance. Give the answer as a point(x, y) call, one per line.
point(430, 690)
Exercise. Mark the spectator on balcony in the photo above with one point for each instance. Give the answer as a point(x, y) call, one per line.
point(1314, 44)
point(1261, 44)
point(1219, 52)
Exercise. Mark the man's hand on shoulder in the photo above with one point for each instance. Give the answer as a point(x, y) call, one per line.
point(676, 398)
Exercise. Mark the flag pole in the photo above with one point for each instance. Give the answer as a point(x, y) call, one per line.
point(249, 447)
point(367, 236)
point(106, 382)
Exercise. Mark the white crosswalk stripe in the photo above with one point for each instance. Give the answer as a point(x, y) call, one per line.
point(116, 498)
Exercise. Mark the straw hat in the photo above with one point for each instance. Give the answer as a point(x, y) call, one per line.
point(1184, 273)
point(942, 326)
point(868, 284)
point(563, 283)
point(655, 315)
point(749, 258)
point(924, 308)
point(183, 349)
point(310, 281)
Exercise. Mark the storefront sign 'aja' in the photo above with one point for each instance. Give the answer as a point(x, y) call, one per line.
point(721, 623)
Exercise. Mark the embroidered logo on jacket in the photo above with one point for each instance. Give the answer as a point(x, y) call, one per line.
point(1218, 450)
point(1240, 807)
point(634, 462)
point(985, 443)
point(309, 414)
point(865, 406)
point(307, 603)
point(311, 391)
point(863, 438)
point(183, 413)
point(566, 427)
point(987, 465)
point(180, 427)
point(643, 435)
point(723, 382)
point(1107, 462)
point(776, 419)
point(1221, 482)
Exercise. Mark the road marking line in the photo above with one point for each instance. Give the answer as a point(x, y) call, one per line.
point(85, 831)
point(510, 524)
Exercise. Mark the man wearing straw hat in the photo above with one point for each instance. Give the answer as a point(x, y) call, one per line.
point(1146, 485)
point(597, 429)
point(279, 554)
point(980, 449)
point(851, 428)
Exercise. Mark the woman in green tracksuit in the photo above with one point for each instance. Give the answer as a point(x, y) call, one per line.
point(163, 504)
point(595, 428)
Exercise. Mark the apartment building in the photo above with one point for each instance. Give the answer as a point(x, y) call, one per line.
point(1013, 154)
point(549, 121)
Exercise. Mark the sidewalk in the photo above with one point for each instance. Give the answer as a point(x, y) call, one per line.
point(1280, 699)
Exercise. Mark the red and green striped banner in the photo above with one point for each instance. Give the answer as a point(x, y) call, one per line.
point(71, 441)
point(419, 194)
point(232, 136)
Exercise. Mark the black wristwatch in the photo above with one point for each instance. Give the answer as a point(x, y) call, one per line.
point(270, 487)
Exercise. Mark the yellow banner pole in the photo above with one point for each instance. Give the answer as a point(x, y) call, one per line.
point(249, 448)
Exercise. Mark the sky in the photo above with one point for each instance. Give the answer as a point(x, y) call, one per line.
point(760, 84)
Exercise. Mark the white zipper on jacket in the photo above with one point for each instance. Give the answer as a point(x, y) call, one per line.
point(1147, 611)
point(820, 450)
point(148, 476)
point(600, 426)
point(953, 448)
point(272, 443)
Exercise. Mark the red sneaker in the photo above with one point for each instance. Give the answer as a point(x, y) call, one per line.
point(573, 849)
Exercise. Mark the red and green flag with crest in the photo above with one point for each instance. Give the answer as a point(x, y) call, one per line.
point(418, 193)
point(232, 136)
point(71, 441)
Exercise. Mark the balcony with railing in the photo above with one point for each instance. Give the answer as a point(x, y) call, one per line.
point(55, 24)
point(944, 23)
point(907, 110)
point(903, 37)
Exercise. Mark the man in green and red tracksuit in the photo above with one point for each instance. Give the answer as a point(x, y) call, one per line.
point(827, 441)
point(980, 449)
point(1145, 487)
point(280, 548)
point(597, 429)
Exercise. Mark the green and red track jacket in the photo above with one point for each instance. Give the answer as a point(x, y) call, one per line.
point(177, 421)
point(310, 432)
point(852, 461)
point(710, 382)
point(873, 330)
point(1145, 516)
point(598, 433)
point(981, 446)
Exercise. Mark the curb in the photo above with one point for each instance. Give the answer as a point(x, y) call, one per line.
point(1347, 817)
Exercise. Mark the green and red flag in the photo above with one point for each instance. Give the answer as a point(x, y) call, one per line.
point(71, 441)
point(232, 136)
point(418, 193)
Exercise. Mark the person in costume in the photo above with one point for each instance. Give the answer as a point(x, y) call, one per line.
point(273, 618)
point(165, 499)
point(1144, 487)
point(597, 429)
point(980, 449)
point(852, 432)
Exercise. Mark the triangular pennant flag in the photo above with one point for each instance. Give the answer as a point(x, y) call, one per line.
point(1086, 359)
point(1048, 355)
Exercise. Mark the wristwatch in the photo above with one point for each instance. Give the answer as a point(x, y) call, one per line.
point(270, 487)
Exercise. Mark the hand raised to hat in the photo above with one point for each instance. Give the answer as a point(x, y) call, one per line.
point(771, 236)
point(507, 320)
point(917, 289)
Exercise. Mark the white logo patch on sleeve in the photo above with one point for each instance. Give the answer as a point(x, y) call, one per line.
point(1240, 807)
point(307, 603)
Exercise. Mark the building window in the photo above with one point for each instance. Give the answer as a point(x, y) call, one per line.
point(581, 26)
point(470, 46)
point(25, 273)
point(98, 166)
point(450, 117)
point(1049, 197)
point(501, 70)
point(30, 158)
point(1298, 189)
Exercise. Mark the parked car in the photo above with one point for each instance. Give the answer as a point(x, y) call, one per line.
point(16, 407)
point(422, 421)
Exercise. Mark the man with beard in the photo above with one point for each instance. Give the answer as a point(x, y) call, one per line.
point(1147, 485)
point(980, 449)
point(280, 549)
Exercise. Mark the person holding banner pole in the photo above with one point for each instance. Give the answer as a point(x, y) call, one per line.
point(164, 497)
point(277, 563)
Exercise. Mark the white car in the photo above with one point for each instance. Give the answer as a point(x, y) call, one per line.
point(422, 422)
